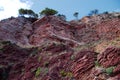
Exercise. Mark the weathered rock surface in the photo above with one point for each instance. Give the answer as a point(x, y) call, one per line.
point(84, 62)
point(12, 60)
point(53, 49)
point(52, 28)
point(109, 29)
point(16, 30)
point(111, 58)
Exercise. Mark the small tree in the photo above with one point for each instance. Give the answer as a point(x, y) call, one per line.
point(48, 11)
point(61, 16)
point(76, 15)
point(28, 12)
point(93, 12)
point(32, 14)
point(106, 12)
point(22, 12)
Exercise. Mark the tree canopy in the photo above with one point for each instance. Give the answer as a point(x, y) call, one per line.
point(48, 11)
point(76, 15)
point(61, 16)
point(28, 12)
point(94, 12)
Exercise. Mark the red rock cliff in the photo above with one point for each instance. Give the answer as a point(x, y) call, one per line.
point(53, 49)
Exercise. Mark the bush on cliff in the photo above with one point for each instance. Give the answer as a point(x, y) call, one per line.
point(48, 12)
point(29, 12)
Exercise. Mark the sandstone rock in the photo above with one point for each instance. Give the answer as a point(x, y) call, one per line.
point(109, 29)
point(83, 65)
point(54, 52)
point(12, 61)
point(15, 30)
point(110, 58)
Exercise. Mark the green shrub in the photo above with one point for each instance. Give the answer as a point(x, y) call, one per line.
point(28, 12)
point(76, 15)
point(39, 58)
point(48, 11)
point(69, 74)
point(37, 73)
point(66, 74)
point(63, 73)
point(109, 70)
point(97, 64)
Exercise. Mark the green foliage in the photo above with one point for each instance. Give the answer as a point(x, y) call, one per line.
point(97, 64)
point(37, 73)
point(39, 58)
point(63, 73)
point(66, 74)
point(40, 70)
point(48, 11)
point(76, 15)
point(29, 12)
point(69, 74)
point(109, 70)
point(22, 12)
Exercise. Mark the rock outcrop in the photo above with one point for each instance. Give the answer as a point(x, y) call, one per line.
point(84, 62)
point(16, 30)
point(53, 49)
point(111, 58)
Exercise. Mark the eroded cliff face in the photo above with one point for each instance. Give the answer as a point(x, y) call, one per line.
point(53, 49)
point(16, 30)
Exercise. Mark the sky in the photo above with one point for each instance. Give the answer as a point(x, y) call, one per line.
point(10, 8)
point(67, 7)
